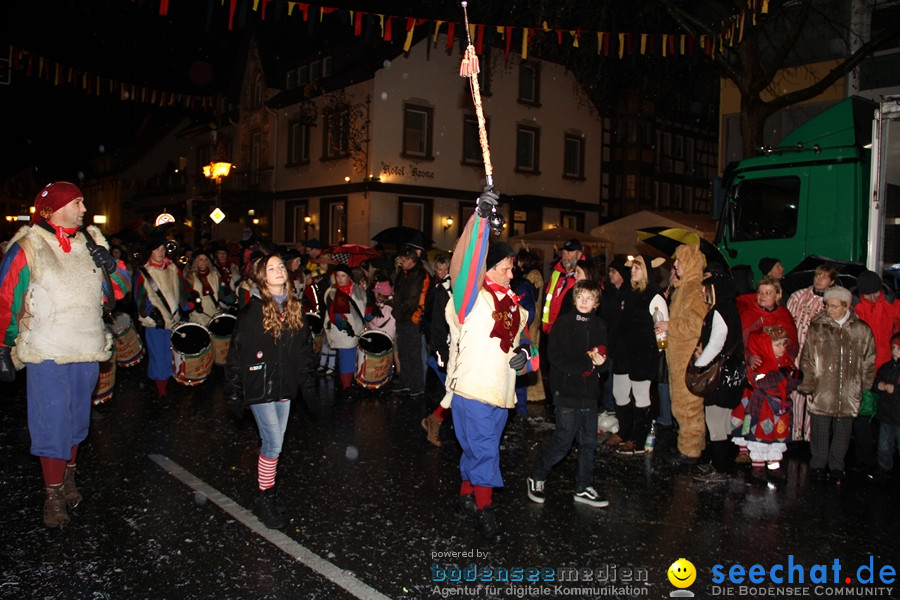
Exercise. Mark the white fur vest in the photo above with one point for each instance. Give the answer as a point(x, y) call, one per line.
point(62, 313)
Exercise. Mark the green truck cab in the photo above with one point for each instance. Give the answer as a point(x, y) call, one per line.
point(828, 189)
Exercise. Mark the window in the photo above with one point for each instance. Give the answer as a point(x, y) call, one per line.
point(291, 80)
point(295, 225)
point(315, 70)
point(337, 134)
point(416, 213)
point(255, 157)
point(256, 91)
point(417, 123)
point(527, 149)
point(326, 66)
point(573, 156)
point(303, 75)
point(298, 142)
point(766, 209)
point(334, 220)
point(471, 143)
point(529, 83)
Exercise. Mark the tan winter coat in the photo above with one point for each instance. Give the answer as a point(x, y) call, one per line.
point(477, 368)
point(62, 313)
point(838, 363)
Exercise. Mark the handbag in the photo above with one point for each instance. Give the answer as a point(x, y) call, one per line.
point(868, 405)
point(701, 381)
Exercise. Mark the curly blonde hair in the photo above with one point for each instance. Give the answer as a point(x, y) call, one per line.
point(274, 322)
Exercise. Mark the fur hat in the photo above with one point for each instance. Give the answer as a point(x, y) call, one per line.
point(839, 293)
point(766, 264)
point(497, 251)
point(868, 282)
point(152, 243)
point(52, 198)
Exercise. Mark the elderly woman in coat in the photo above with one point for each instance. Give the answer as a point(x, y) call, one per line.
point(838, 363)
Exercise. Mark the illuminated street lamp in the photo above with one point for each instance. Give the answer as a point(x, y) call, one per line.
point(216, 171)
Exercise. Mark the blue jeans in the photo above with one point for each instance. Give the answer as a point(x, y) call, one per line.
point(571, 424)
point(271, 419)
point(888, 439)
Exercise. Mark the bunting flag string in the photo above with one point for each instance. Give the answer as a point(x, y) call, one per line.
point(93, 84)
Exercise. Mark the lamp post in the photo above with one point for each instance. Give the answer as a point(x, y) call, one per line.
point(216, 170)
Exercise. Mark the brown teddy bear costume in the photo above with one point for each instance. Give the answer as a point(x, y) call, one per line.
point(687, 310)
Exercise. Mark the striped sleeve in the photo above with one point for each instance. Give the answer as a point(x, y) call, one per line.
point(467, 265)
point(14, 279)
point(121, 283)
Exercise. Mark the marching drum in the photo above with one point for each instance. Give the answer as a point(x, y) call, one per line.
point(103, 391)
point(220, 328)
point(374, 359)
point(192, 358)
point(318, 332)
point(129, 350)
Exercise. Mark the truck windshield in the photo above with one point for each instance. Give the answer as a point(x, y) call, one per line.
point(766, 209)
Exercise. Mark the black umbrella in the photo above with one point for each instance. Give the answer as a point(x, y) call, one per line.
point(803, 274)
point(667, 240)
point(402, 235)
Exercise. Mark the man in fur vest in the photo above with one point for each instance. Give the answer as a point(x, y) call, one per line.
point(481, 380)
point(54, 281)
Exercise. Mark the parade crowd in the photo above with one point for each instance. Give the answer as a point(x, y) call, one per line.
point(594, 340)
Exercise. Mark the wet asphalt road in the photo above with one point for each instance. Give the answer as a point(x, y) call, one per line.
point(168, 486)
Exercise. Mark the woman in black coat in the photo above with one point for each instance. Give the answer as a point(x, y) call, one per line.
point(269, 360)
point(721, 333)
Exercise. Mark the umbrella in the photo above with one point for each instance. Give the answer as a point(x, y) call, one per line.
point(802, 275)
point(352, 255)
point(667, 239)
point(401, 235)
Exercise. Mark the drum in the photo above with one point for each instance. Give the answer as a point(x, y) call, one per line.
point(129, 349)
point(220, 328)
point(318, 332)
point(374, 359)
point(192, 357)
point(103, 391)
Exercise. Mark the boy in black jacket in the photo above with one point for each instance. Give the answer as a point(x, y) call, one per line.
point(887, 383)
point(577, 351)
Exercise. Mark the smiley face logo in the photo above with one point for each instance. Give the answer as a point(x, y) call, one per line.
point(682, 573)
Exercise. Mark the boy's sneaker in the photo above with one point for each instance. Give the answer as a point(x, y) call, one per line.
point(590, 497)
point(535, 491)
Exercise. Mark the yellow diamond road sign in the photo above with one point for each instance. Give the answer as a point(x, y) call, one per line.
point(217, 215)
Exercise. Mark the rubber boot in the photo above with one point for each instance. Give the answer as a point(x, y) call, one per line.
point(55, 514)
point(640, 428)
point(625, 416)
point(267, 511)
point(721, 458)
point(69, 489)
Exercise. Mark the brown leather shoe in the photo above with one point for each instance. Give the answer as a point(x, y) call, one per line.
point(69, 489)
point(432, 426)
point(55, 514)
point(614, 440)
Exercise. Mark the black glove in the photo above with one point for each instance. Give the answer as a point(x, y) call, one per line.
point(103, 259)
point(487, 201)
point(520, 359)
point(7, 368)
point(157, 317)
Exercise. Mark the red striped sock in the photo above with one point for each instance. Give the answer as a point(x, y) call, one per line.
point(74, 454)
point(53, 470)
point(759, 464)
point(440, 413)
point(466, 488)
point(266, 468)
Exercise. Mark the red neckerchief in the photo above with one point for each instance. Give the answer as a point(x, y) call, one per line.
point(207, 288)
point(62, 236)
point(506, 314)
point(225, 273)
point(340, 304)
point(165, 263)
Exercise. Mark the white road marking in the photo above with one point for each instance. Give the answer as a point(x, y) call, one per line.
point(287, 545)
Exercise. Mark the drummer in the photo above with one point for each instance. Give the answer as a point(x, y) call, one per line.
point(208, 292)
point(159, 295)
point(345, 303)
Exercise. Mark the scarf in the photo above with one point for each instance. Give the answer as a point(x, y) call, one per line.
point(340, 306)
point(506, 314)
point(204, 283)
point(62, 235)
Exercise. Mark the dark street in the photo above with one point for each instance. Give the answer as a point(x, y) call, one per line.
point(169, 486)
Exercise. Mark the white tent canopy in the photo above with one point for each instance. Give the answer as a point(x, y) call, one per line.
point(622, 232)
point(547, 242)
